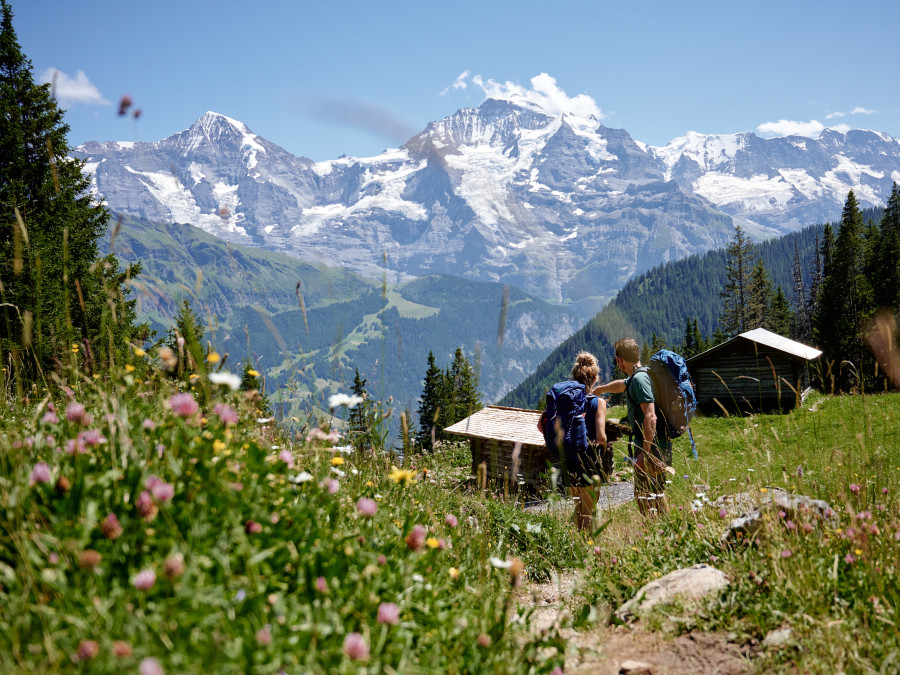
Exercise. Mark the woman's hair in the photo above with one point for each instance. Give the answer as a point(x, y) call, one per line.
point(585, 369)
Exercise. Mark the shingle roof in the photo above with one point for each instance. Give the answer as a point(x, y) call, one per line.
point(769, 339)
point(501, 424)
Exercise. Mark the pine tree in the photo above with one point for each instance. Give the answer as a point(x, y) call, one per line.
point(185, 338)
point(254, 388)
point(733, 318)
point(362, 418)
point(845, 302)
point(429, 405)
point(887, 268)
point(799, 329)
point(781, 318)
point(758, 298)
point(466, 399)
point(52, 291)
point(688, 342)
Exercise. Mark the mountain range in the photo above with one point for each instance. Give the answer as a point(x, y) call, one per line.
point(560, 206)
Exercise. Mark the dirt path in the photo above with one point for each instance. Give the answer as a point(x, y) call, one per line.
point(604, 649)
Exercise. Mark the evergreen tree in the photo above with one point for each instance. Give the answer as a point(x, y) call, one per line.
point(255, 387)
point(887, 254)
point(781, 318)
point(52, 291)
point(688, 342)
point(362, 417)
point(185, 338)
point(733, 318)
point(845, 303)
point(758, 298)
point(466, 399)
point(799, 329)
point(429, 405)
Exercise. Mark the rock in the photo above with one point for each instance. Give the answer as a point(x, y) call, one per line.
point(778, 637)
point(635, 668)
point(767, 508)
point(688, 584)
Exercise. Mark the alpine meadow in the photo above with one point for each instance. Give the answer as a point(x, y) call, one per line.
point(262, 414)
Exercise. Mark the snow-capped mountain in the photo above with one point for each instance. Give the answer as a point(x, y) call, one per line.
point(558, 205)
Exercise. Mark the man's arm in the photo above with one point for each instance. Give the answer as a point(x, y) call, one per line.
point(600, 422)
point(614, 387)
point(649, 425)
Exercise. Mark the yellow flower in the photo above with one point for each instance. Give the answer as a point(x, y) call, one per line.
point(369, 483)
point(253, 373)
point(337, 461)
point(431, 542)
point(74, 348)
point(139, 352)
point(129, 368)
point(453, 572)
point(348, 551)
point(193, 376)
point(859, 551)
point(218, 445)
point(213, 357)
point(763, 489)
point(404, 476)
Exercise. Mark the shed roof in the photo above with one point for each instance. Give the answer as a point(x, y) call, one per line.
point(515, 425)
point(769, 339)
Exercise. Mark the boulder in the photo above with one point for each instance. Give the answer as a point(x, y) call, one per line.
point(755, 511)
point(635, 668)
point(687, 585)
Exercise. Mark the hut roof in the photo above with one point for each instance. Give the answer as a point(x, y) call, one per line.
point(769, 339)
point(501, 424)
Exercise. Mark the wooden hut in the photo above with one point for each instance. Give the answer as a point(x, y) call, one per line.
point(755, 371)
point(495, 432)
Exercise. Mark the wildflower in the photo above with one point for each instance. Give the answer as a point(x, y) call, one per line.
point(884, 490)
point(873, 530)
point(321, 584)
point(723, 512)
point(366, 507)
point(321, 435)
point(263, 420)
point(75, 412)
point(404, 476)
point(183, 405)
point(388, 613)
point(828, 513)
point(432, 542)
point(139, 352)
point(287, 457)
point(87, 649)
point(150, 666)
point(173, 567)
point(337, 461)
point(355, 647)
point(50, 418)
point(226, 413)
point(501, 564)
point(253, 373)
point(484, 640)
point(786, 553)
point(382, 559)
point(849, 559)
point(218, 445)
point(144, 580)
point(213, 357)
point(800, 471)
point(416, 538)
point(89, 559)
point(146, 506)
point(302, 477)
point(148, 425)
point(264, 636)
point(790, 525)
point(782, 515)
point(807, 527)
point(162, 491)
point(854, 488)
point(121, 649)
point(453, 572)
point(337, 400)
point(597, 550)
point(62, 485)
point(168, 358)
point(450, 520)
point(332, 485)
point(111, 527)
point(252, 527)
point(230, 380)
point(40, 473)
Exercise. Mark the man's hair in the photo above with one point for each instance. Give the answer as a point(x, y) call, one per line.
point(628, 349)
point(586, 369)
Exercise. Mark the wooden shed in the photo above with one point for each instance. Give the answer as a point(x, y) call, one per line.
point(495, 431)
point(756, 371)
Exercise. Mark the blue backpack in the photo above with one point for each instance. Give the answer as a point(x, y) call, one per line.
point(562, 423)
point(673, 391)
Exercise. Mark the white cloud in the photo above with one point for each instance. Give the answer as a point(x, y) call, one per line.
point(812, 129)
point(843, 128)
point(859, 110)
point(831, 116)
point(69, 91)
point(544, 93)
point(459, 83)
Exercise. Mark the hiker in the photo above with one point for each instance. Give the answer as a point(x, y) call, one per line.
point(648, 452)
point(583, 491)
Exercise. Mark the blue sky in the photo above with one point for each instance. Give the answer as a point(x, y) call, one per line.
point(329, 78)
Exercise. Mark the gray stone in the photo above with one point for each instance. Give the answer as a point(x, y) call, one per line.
point(635, 668)
point(755, 511)
point(687, 585)
point(778, 637)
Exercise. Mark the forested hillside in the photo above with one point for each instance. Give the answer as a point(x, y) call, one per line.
point(662, 301)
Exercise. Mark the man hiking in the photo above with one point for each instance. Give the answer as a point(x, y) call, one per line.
point(647, 450)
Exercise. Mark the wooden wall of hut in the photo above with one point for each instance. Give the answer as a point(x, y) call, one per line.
point(747, 377)
point(506, 473)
